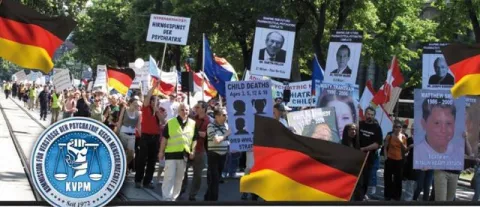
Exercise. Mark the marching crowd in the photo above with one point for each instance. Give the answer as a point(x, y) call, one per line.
point(166, 130)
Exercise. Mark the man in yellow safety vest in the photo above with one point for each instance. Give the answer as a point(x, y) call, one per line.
point(177, 145)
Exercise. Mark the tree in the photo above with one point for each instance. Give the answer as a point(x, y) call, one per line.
point(99, 34)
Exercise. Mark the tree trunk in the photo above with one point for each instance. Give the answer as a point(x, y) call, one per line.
point(473, 18)
point(344, 10)
point(317, 40)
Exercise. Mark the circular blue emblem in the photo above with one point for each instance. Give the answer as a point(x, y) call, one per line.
point(78, 162)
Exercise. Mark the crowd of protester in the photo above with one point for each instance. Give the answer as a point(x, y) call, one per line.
point(165, 131)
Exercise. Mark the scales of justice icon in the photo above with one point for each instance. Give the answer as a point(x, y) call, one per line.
point(61, 170)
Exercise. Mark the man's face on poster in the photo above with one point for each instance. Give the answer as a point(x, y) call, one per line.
point(439, 128)
point(441, 67)
point(274, 43)
point(343, 57)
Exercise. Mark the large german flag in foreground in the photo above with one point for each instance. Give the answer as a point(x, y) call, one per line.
point(28, 38)
point(290, 167)
point(120, 79)
point(464, 62)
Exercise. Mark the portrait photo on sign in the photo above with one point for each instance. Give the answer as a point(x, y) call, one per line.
point(344, 102)
point(272, 52)
point(319, 123)
point(439, 123)
point(435, 72)
point(342, 62)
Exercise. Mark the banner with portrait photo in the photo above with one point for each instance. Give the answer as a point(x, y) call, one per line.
point(343, 57)
point(245, 99)
point(318, 123)
point(300, 93)
point(472, 121)
point(435, 71)
point(439, 126)
point(344, 98)
point(273, 47)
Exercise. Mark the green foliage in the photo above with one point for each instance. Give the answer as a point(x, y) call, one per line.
point(114, 31)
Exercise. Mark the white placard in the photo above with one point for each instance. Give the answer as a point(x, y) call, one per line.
point(101, 80)
point(273, 47)
point(435, 71)
point(61, 81)
point(168, 29)
point(20, 75)
point(343, 58)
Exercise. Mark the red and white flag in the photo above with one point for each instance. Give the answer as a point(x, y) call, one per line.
point(394, 79)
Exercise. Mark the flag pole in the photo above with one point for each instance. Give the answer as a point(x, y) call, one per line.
point(203, 65)
point(359, 175)
point(163, 56)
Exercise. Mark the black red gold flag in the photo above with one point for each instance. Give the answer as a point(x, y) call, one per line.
point(30, 39)
point(120, 79)
point(290, 167)
point(464, 62)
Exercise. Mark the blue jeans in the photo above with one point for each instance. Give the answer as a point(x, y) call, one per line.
point(373, 173)
point(231, 164)
point(424, 182)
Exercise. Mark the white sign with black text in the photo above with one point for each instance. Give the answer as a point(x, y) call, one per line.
point(273, 47)
point(168, 29)
point(343, 56)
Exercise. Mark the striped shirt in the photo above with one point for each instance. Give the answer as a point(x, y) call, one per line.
point(213, 130)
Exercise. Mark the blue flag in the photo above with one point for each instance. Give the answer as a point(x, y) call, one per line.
point(216, 74)
point(317, 75)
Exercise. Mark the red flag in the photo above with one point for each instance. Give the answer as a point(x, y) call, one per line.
point(394, 79)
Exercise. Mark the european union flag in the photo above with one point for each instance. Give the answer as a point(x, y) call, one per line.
point(215, 73)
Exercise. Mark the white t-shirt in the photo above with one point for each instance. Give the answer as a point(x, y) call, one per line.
point(170, 107)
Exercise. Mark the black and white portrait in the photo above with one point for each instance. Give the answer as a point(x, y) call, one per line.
point(442, 75)
point(435, 71)
point(343, 57)
point(273, 48)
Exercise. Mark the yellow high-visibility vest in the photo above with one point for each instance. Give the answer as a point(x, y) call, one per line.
point(180, 139)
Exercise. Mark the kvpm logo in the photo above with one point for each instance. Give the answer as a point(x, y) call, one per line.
point(78, 162)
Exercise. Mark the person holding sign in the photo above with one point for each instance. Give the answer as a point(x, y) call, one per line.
point(441, 77)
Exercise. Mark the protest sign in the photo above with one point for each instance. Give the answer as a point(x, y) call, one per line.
point(300, 93)
point(472, 121)
point(20, 75)
point(61, 80)
point(439, 122)
point(168, 29)
point(101, 80)
point(245, 99)
point(343, 57)
point(318, 123)
point(344, 98)
point(435, 71)
point(273, 47)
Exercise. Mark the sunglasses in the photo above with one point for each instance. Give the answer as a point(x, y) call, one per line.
point(398, 127)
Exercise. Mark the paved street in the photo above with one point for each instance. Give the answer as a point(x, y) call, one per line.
point(12, 176)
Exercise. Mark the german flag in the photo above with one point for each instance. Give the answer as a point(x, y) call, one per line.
point(464, 62)
point(28, 38)
point(120, 79)
point(290, 167)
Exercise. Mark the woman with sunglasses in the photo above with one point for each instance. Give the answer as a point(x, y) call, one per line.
point(395, 148)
